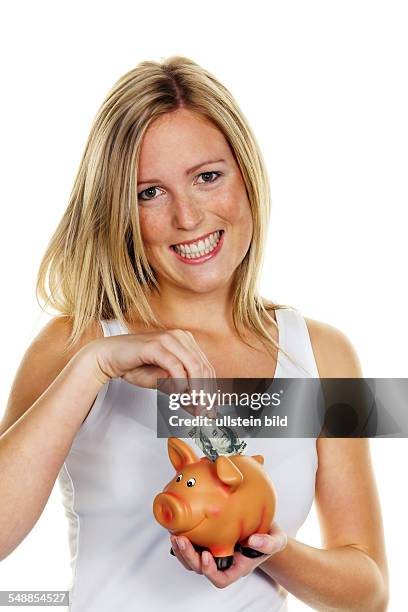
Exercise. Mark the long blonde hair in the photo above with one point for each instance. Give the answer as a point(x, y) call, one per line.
point(95, 261)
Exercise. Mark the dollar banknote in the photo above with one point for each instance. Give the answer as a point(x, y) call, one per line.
point(217, 440)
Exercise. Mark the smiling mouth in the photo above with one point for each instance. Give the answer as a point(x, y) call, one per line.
point(188, 533)
point(198, 248)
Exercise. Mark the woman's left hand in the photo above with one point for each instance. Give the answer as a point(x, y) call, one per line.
point(268, 543)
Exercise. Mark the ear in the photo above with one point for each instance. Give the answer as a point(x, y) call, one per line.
point(228, 472)
point(258, 459)
point(180, 453)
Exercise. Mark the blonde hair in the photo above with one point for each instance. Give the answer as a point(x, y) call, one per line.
point(95, 262)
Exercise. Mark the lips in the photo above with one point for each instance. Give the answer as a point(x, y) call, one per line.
point(201, 250)
point(196, 240)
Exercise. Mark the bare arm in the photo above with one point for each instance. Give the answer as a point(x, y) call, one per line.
point(350, 573)
point(50, 397)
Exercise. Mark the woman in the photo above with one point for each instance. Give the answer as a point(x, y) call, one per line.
point(154, 268)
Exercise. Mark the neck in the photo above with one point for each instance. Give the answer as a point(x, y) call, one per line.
point(205, 312)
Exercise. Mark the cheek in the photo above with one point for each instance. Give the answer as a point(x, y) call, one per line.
point(151, 226)
point(236, 207)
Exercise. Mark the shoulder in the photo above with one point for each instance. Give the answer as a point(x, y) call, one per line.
point(43, 360)
point(56, 333)
point(335, 354)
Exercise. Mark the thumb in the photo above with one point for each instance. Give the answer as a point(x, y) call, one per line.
point(268, 544)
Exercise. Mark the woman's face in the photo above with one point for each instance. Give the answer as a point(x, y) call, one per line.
point(194, 211)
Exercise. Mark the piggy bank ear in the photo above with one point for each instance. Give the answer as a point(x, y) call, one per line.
point(180, 453)
point(258, 459)
point(228, 473)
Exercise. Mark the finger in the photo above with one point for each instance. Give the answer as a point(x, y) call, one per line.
point(210, 376)
point(196, 373)
point(157, 355)
point(193, 342)
point(208, 407)
point(201, 378)
point(193, 366)
point(211, 571)
point(218, 578)
point(190, 356)
point(145, 376)
point(206, 378)
point(268, 544)
point(189, 554)
point(178, 553)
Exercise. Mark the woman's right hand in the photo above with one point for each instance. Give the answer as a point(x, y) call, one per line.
point(141, 359)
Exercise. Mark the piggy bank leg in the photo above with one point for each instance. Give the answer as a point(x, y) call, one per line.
point(223, 556)
point(250, 552)
point(247, 551)
point(223, 563)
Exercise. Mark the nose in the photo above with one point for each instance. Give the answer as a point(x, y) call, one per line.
point(187, 214)
point(171, 512)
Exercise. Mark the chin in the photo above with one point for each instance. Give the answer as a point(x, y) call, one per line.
point(206, 285)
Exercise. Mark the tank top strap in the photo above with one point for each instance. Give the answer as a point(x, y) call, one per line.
point(294, 339)
point(112, 327)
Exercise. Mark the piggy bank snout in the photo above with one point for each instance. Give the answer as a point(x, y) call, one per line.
point(170, 511)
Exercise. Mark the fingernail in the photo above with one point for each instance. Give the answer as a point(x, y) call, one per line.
point(205, 557)
point(180, 543)
point(256, 541)
point(281, 543)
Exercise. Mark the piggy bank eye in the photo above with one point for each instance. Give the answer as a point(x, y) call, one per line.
point(179, 477)
point(191, 482)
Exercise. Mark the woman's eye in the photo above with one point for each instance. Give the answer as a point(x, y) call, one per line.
point(148, 192)
point(205, 174)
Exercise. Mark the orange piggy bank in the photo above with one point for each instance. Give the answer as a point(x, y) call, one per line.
point(216, 505)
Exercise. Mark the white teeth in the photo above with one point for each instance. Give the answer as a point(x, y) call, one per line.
point(200, 248)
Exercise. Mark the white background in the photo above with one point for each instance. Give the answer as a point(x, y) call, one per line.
point(324, 86)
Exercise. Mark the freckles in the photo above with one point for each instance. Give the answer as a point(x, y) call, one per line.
point(239, 209)
point(230, 204)
point(151, 226)
point(235, 202)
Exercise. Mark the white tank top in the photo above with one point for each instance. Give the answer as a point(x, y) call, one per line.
point(116, 466)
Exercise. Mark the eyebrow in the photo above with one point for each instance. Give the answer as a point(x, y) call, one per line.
point(189, 171)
